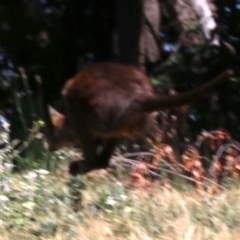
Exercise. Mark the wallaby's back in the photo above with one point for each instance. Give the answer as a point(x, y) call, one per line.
point(114, 100)
point(106, 98)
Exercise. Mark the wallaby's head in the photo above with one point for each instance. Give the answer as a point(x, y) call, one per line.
point(62, 134)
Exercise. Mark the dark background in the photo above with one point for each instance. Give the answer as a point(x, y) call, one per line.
point(55, 38)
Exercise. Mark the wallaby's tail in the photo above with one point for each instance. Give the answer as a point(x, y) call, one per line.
point(160, 102)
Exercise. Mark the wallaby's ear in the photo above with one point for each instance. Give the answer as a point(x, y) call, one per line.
point(56, 117)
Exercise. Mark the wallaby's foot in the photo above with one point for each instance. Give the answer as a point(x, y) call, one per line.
point(79, 167)
point(83, 167)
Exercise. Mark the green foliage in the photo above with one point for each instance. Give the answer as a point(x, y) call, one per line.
point(32, 203)
point(29, 144)
point(38, 209)
point(161, 80)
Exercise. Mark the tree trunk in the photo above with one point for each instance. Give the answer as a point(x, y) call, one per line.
point(138, 26)
point(149, 42)
point(187, 19)
point(129, 24)
point(194, 31)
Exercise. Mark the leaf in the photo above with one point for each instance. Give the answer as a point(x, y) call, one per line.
point(128, 209)
point(155, 81)
point(15, 142)
point(29, 205)
point(192, 26)
point(233, 79)
point(50, 228)
point(21, 221)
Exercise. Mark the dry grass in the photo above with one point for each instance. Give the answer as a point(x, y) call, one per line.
point(112, 210)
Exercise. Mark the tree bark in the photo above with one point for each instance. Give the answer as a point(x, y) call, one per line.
point(186, 16)
point(149, 41)
point(188, 13)
point(138, 27)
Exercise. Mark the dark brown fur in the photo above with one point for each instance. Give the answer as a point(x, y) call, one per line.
point(111, 101)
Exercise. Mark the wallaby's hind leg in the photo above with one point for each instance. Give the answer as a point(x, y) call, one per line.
point(104, 156)
point(89, 152)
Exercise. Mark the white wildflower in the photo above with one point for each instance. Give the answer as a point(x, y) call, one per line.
point(3, 198)
point(123, 197)
point(6, 125)
point(110, 201)
point(51, 200)
point(42, 172)
point(8, 166)
point(4, 153)
point(30, 175)
point(1, 167)
point(4, 137)
point(119, 184)
point(23, 184)
point(5, 185)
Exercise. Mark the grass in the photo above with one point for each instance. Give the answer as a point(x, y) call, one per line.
point(40, 206)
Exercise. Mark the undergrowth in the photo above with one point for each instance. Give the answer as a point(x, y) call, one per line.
point(41, 201)
point(40, 206)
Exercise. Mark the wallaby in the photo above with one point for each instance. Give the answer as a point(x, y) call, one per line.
point(110, 101)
